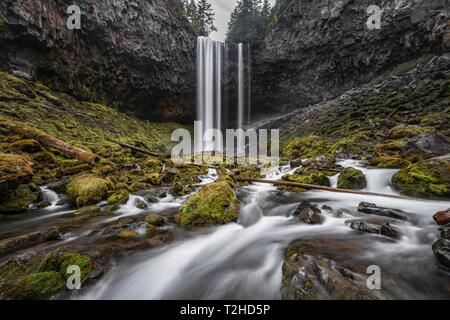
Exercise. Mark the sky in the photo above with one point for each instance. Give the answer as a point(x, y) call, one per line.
point(223, 9)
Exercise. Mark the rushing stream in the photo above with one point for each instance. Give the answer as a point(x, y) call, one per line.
point(244, 260)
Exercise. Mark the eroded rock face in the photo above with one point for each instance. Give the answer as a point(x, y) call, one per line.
point(138, 55)
point(320, 49)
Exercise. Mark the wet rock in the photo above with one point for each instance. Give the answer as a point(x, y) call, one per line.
point(374, 226)
point(442, 217)
point(147, 64)
point(427, 146)
point(155, 220)
point(296, 163)
point(445, 232)
point(28, 240)
point(40, 205)
point(441, 250)
point(352, 179)
point(308, 277)
point(141, 205)
point(316, 68)
point(373, 209)
point(309, 213)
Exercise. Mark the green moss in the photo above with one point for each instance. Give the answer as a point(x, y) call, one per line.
point(28, 145)
point(13, 167)
point(60, 261)
point(352, 179)
point(428, 179)
point(390, 163)
point(408, 131)
point(314, 178)
point(86, 189)
point(119, 197)
point(154, 179)
point(306, 147)
point(390, 148)
point(215, 203)
point(41, 285)
point(88, 210)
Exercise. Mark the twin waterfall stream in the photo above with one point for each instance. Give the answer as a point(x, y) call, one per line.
point(214, 65)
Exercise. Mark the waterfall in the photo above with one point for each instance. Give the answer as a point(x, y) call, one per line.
point(49, 196)
point(209, 88)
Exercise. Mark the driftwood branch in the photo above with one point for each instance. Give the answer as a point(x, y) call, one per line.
point(137, 149)
point(314, 187)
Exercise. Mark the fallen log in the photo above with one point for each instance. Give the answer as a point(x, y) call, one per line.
point(137, 149)
point(323, 188)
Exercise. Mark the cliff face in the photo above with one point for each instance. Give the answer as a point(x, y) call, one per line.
point(137, 55)
point(320, 49)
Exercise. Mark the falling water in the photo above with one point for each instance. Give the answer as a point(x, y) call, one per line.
point(240, 117)
point(249, 84)
point(49, 196)
point(209, 89)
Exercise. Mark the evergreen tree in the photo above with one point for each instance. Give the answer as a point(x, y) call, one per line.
point(250, 21)
point(204, 18)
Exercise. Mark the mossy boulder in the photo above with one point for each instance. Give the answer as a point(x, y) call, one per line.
point(17, 200)
point(41, 285)
point(352, 179)
point(215, 203)
point(87, 189)
point(426, 179)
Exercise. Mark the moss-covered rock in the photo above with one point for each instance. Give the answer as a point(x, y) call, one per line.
point(306, 176)
point(88, 210)
point(408, 131)
point(42, 285)
point(59, 261)
point(86, 189)
point(154, 219)
point(427, 179)
point(14, 170)
point(215, 203)
point(352, 179)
